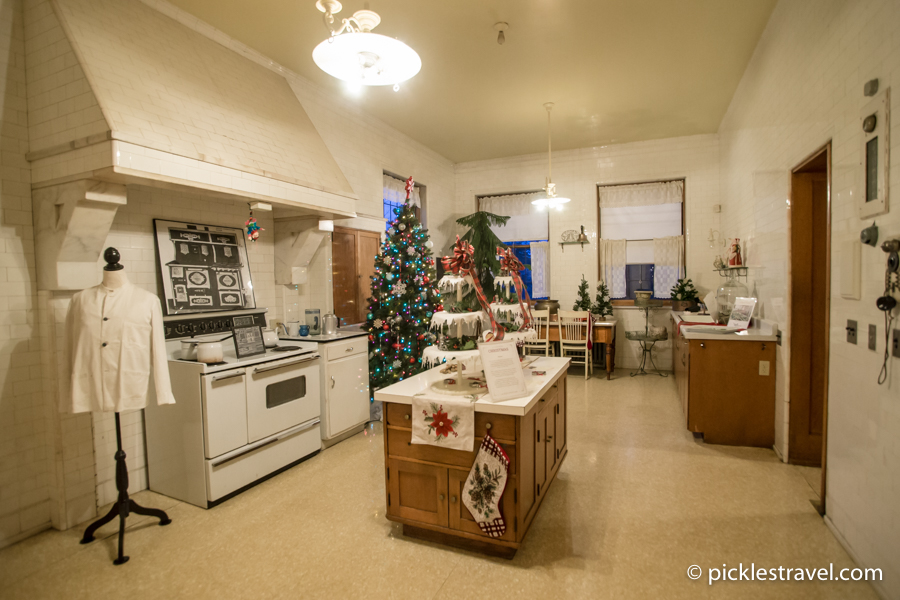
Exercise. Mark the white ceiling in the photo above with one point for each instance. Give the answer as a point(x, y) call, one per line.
point(618, 70)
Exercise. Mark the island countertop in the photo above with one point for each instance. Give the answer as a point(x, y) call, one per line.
point(402, 392)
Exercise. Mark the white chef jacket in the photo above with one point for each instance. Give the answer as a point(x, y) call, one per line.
point(114, 340)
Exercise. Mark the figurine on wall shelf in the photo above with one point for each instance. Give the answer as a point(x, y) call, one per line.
point(734, 254)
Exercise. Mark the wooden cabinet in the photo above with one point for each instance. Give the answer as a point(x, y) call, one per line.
point(725, 391)
point(424, 483)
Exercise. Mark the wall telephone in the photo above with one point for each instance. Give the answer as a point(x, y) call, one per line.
point(887, 302)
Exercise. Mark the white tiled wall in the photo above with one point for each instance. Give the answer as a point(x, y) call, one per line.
point(62, 107)
point(577, 174)
point(803, 87)
point(24, 452)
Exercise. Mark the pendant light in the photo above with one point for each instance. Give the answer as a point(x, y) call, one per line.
point(356, 55)
point(552, 200)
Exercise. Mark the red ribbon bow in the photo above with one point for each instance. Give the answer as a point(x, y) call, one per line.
point(461, 264)
point(510, 262)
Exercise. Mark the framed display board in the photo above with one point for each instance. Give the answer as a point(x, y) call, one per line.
point(204, 268)
point(248, 341)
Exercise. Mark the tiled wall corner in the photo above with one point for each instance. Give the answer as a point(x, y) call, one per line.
point(802, 88)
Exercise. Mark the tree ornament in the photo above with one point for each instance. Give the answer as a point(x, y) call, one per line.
point(253, 227)
point(402, 227)
point(399, 289)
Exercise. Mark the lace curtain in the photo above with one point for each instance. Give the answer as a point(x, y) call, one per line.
point(540, 269)
point(395, 191)
point(526, 221)
point(642, 194)
point(668, 257)
point(612, 266)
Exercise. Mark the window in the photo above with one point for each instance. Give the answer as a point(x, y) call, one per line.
point(527, 228)
point(394, 194)
point(641, 244)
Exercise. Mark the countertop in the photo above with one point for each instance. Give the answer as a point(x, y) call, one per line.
point(403, 391)
point(761, 331)
point(342, 334)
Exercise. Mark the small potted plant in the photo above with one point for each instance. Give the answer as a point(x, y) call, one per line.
point(602, 304)
point(684, 295)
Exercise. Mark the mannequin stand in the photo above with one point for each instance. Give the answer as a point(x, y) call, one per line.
point(124, 505)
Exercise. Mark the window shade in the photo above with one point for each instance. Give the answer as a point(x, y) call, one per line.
point(527, 221)
point(641, 194)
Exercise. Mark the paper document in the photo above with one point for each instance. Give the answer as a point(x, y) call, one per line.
point(503, 370)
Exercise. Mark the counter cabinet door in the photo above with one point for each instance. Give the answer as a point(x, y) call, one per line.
point(347, 392)
point(462, 520)
point(417, 492)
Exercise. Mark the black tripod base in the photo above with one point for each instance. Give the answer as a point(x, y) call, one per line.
point(124, 506)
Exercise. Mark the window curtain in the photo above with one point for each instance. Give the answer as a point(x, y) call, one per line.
point(526, 221)
point(668, 257)
point(540, 269)
point(612, 266)
point(395, 191)
point(642, 194)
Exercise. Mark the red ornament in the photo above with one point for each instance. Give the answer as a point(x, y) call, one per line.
point(412, 361)
point(371, 338)
point(396, 346)
point(386, 327)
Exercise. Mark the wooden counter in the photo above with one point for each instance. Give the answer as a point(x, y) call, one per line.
point(424, 483)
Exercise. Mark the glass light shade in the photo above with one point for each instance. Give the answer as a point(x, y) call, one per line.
point(366, 58)
point(555, 202)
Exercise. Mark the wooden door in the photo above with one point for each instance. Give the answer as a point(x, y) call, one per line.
point(809, 320)
point(368, 247)
point(417, 492)
point(560, 437)
point(344, 274)
point(460, 517)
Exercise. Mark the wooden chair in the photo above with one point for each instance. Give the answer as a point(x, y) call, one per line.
point(573, 338)
point(540, 345)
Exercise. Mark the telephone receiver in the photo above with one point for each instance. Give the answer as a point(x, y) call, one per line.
point(887, 303)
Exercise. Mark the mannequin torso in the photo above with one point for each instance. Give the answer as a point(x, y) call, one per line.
point(114, 279)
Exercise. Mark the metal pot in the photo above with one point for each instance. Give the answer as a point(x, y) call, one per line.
point(551, 305)
point(330, 324)
point(205, 352)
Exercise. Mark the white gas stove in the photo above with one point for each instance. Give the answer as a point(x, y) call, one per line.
point(234, 423)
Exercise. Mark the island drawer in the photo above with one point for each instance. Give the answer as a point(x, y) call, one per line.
point(501, 427)
point(400, 445)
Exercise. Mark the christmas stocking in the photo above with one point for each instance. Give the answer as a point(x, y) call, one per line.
point(484, 487)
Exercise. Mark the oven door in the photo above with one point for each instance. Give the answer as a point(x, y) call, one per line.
point(282, 394)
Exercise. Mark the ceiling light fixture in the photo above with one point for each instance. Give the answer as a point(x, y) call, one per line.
point(552, 200)
point(356, 55)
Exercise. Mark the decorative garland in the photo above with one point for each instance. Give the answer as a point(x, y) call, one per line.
point(461, 264)
point(512, 265)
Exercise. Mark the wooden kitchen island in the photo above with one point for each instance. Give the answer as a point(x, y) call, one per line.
point(424, 483)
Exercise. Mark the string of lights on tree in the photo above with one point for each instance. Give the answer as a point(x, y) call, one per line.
point(404, 298)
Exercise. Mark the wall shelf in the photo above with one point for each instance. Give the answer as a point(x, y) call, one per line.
point(564, 244)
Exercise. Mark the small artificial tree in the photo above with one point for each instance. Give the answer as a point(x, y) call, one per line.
point(485, 242)
point(404, 297)
point(684, 290)
point(602, 304)
point(584, 298)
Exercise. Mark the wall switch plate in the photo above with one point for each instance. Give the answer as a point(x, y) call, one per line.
point(873, 337)
point(897, 343)
point(763, 367)
point(851, 331)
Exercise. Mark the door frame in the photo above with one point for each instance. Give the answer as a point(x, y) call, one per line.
point(827, 150)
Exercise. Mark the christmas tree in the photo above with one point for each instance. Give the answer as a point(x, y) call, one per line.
point(485, 242)
point(602, 304)
point(584, 298)
point(404, 297)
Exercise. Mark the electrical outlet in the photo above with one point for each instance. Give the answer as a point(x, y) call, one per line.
point(851, 331)
point(873, 337)
point(763, 367)
point(897, 343)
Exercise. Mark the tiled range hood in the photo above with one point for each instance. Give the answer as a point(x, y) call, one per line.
point(122, 94)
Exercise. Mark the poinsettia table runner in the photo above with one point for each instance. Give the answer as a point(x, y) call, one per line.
point(446, 423)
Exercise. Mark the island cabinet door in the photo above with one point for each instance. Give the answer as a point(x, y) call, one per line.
point(540, 453)
point(417, 492)
point(462, 520)
point(559, 440)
